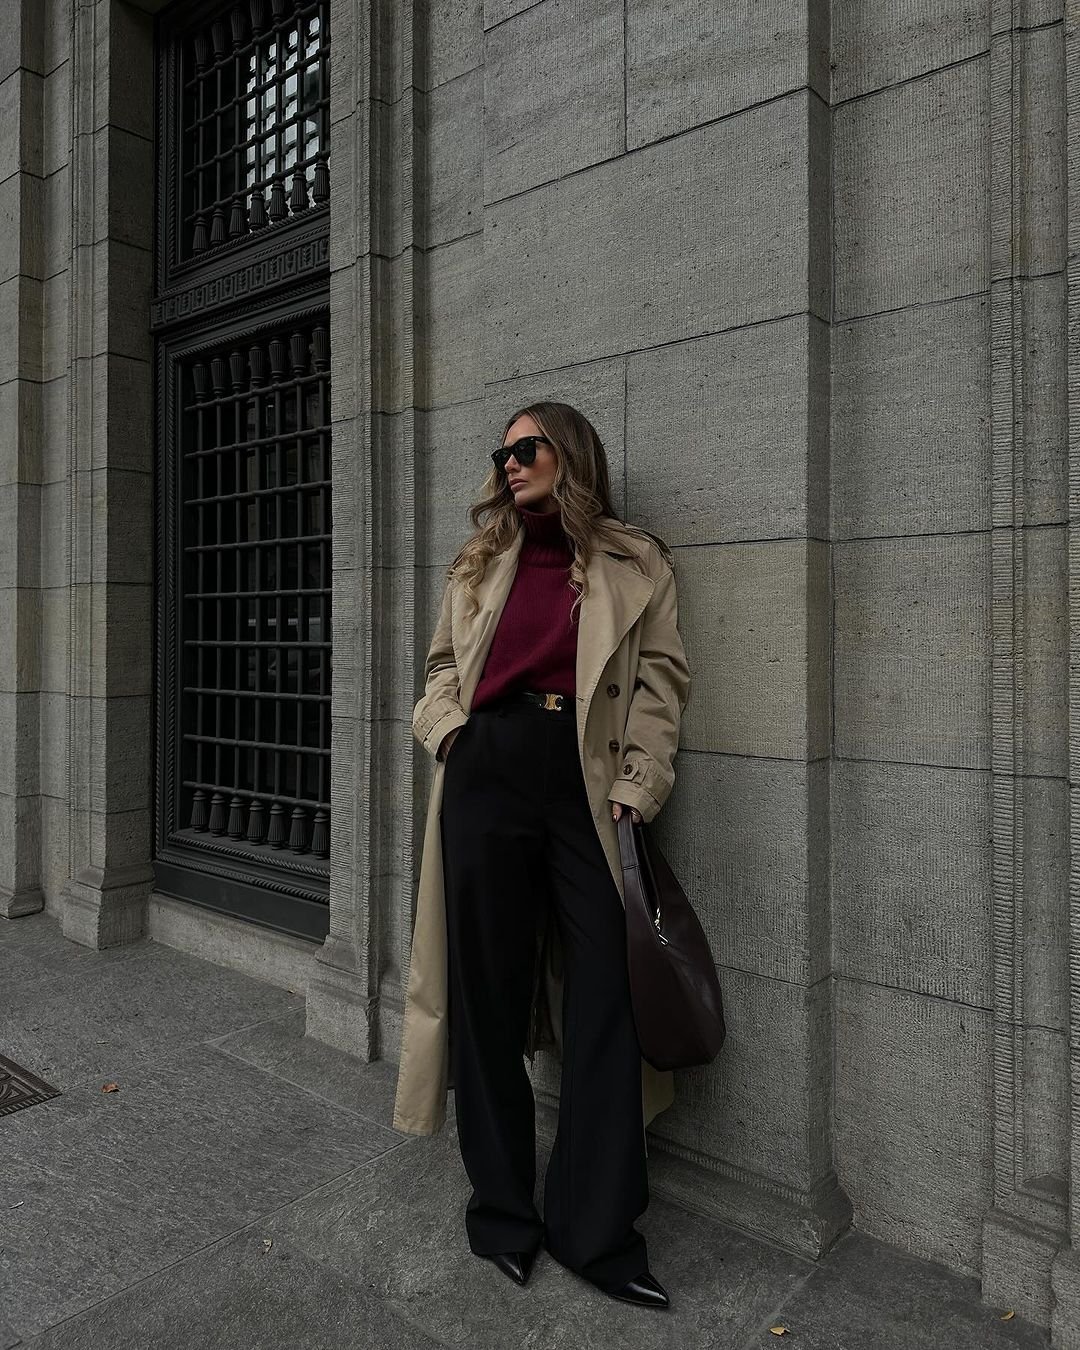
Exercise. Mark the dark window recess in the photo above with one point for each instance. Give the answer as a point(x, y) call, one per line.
point(255, 725)
point(243, 640)
point(255, 121)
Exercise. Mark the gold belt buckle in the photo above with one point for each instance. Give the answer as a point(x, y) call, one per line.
point(553, 702)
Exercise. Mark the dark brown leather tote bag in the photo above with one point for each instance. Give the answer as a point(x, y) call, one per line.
point(675, 991)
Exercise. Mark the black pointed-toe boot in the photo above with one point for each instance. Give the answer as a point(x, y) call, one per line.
point(515, 1264)
point(644, 1289)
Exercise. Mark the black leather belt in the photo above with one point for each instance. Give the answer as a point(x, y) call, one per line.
point(556, 703)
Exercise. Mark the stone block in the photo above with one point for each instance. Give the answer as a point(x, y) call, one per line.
point(754, 621)
point(54, 745)
point(56, 326)
point(120, 838)
point(124, 785)
point(1044, 673)
point(20, 123)
point(20, 226)
point(350, 236)
point(453, 37)
point(451, 181)
point(874, 46)
point(23, 47)
point(651, 248)
point(350, 79)
point(911, 878)
point(1042, 417)
point(544, 119)
point(747, 838)
point(58, 29)
point(119, 640)
point(20, 622)
point(121, 548)
point(693, 61)
point(912, 649)
point(129, 382)
point(56, 653)
point(20, 523)
point(54, 446)
point(20, 329)
point(450, 313)
point(450, 472)
point(56, 535)
point(55, 815)
point(19, 723)
point(914, 1119)
point(911, 421)
point(122, 324)
point(20, 432)
point(56, 222)
point(56, 121)
point(1041, 920)
point(124, 71)
point(720, 436)
point(910, 191)
point(1039, 241)
point(20, 842)
point(125, 212)
point(1043, 1107)
point(762, 1106)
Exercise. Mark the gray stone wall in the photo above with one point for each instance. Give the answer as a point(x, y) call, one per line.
point(811, 272)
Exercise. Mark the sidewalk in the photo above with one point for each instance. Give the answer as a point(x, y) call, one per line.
point(243, 1190)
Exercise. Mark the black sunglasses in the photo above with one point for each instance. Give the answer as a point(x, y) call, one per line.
point(524, 451)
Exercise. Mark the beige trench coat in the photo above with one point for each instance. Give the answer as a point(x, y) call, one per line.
point(632, 684)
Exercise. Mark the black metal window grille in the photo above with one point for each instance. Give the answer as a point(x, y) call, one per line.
point(256, 537)
point(255, 131)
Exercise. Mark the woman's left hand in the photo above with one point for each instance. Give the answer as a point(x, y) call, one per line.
point(617, 810)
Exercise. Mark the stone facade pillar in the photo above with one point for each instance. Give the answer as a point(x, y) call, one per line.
point(21, 291)
point(108, 350)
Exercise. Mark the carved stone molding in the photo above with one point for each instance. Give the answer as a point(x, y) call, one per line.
point(1028, 1221)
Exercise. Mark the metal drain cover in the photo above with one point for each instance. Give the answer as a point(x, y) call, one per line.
point(19, 1087)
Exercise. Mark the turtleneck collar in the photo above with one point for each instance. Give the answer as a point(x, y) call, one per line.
point(545, 539)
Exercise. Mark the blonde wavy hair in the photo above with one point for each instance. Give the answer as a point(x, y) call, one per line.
point(581, 488)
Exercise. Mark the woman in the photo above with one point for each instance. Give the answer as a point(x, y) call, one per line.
point(555, 684)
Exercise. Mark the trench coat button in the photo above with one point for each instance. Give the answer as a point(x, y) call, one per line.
point(613, 745)
point(628, 768)
point(613, 691)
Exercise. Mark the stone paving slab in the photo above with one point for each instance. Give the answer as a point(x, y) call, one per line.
point(139, 1218)
point(239, 1295)
point(864, 1293)
point(71, 1020)
point(114, 1186)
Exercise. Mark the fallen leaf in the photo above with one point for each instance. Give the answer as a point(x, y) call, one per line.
point(1006, 1315)
point(779, 1330)
point(111, 1087)
point(267, 1244)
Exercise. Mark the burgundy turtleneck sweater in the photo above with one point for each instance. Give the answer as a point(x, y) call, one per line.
point(535, 644)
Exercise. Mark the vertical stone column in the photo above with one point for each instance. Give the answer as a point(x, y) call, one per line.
point(111, 464)
point(1065, 1271)
point(1026, 1223)
point(21, 278)
point(372, 265)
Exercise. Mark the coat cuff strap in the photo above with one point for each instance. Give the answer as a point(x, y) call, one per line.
point(456, 717)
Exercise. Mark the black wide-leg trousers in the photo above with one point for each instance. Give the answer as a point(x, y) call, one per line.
point(518, 834)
